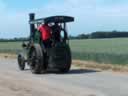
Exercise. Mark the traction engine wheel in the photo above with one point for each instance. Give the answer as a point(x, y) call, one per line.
point(67, 66)
point(21, 62)
point(37, 60)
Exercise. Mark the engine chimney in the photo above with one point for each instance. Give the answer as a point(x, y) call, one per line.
point(32, 26)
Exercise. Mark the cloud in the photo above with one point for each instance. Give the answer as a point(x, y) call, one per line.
point(15, 24)
point(90, 16)
point(82, 10)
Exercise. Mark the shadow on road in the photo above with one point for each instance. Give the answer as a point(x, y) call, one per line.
point(72, 71)
point(81, 71)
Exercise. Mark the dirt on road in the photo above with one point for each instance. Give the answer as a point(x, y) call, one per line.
point(78, 82)
point(17, 83)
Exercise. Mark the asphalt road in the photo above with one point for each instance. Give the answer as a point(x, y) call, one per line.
point(78, 82)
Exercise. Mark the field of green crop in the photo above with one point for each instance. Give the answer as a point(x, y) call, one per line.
point(10, 47)
point(113, 51)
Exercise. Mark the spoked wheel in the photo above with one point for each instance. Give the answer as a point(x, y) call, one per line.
point(21, 62)
point(37, 60)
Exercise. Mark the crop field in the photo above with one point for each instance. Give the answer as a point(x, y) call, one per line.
point(112, 51)
point(10, 47)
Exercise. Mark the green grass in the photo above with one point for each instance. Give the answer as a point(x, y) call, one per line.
point(10, 47)
point(113, 51)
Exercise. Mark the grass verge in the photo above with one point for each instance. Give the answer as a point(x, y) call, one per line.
point(8, 55)
point(98, 66)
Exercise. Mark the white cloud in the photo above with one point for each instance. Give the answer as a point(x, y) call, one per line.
point(90, 15)
point(82, 10)
point(15, 24)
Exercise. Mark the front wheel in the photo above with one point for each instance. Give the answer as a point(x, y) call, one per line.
point(21, 62)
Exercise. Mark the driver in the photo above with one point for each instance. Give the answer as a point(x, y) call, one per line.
point(56, 29)
point(45, 31)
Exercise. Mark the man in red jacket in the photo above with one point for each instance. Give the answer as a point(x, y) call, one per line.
point(45, 31)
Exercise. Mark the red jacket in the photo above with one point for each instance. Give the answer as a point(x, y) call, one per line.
point(45, 32)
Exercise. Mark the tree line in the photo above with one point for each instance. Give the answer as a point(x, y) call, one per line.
point(13, 40)
point(101, 35)
point(93, 35)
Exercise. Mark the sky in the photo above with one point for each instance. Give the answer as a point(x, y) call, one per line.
point(90, 15)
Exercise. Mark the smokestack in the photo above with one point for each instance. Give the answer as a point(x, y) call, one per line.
point(32, 26)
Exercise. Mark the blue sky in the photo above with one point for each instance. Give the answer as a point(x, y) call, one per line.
point(21, 5)
point(112, 15)
point(90, 15)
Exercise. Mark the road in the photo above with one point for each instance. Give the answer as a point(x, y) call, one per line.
point(78, 82)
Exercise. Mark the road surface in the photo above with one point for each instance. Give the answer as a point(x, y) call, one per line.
point(77, 82)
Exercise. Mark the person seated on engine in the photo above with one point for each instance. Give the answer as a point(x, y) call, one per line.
point(45, 31)
point(56, 29)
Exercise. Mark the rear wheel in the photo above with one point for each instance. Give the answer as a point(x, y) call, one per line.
point(37, 60)
point(21, 62)
point(66, 69)
point(67, 66)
